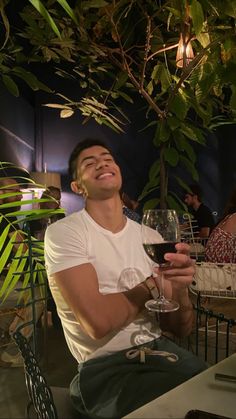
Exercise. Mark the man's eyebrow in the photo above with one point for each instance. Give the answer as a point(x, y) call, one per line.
point(93, 157)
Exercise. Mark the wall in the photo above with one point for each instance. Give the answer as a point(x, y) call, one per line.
point(17, 142)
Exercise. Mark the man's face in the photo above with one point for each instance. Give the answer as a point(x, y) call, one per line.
point(98, 174)
point(189, 200)
point(10, 186)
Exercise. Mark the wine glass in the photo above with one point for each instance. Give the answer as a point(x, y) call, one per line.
point(160, 233)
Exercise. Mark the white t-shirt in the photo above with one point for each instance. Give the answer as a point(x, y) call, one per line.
point(78, 239)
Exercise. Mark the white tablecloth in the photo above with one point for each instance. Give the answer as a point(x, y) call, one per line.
point(201, 392)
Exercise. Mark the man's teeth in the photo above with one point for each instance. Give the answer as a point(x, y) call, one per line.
point(104, 175)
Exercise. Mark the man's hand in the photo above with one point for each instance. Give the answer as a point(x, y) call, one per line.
point(177, 278)
point(180, 271)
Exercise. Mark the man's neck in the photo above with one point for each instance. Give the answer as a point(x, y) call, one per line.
point(107, 213)
point(196, 205)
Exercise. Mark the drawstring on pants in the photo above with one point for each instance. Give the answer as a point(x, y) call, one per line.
point(143, 351)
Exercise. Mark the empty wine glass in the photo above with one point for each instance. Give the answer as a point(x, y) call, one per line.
point(160, 233)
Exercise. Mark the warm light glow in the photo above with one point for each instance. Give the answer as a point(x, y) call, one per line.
point(180, 52)
point(45, 179)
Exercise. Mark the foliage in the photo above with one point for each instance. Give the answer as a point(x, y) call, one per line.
point(119, 49)
point(27, 263)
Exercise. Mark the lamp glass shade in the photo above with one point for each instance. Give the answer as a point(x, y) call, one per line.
point(184, 47)
point(45, 179)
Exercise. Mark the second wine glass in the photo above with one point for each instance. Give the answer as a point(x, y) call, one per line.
point(160, 233)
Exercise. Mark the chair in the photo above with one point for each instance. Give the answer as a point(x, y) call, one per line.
point(189, 234)
point(48, 402)
point(214, 280)
point(213, 329)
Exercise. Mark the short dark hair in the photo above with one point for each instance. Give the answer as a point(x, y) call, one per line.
point(83, 145)
point(49, 191)
point(196, 190)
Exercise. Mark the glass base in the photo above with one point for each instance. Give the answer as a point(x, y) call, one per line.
point(162, 306)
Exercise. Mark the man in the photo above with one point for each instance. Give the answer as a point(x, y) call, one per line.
point(201, 213)
point(86, 254)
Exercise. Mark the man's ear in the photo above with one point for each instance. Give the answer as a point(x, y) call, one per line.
point(75, 187)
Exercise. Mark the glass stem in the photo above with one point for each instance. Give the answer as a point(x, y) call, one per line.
point(161, 296)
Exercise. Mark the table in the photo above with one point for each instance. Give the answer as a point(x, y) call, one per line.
point(201, 392)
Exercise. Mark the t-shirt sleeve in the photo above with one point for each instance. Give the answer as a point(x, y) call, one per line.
point(65, 247)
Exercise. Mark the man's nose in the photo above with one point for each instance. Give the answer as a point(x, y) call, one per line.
point(101, 163)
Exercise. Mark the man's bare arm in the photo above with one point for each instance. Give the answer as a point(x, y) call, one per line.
point(98, 314)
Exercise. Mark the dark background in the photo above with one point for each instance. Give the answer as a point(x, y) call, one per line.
point(32, 135)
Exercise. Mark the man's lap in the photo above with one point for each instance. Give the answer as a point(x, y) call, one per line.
point(114, 385)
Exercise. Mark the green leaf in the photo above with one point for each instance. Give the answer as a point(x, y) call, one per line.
point(190, 167)
point(68, 10)
point(126, 97)
point(182, 183)
point(179, 106)
point(150, 87)
point(173, 203)
point(197, 15)
point(162, 133)
point(230, 8)
point(152, 203)
point(165, 79)
point(87, 4)
point(10, 85)
point(204, 39)
point(121, 80)
point(151, 186)
point(155, 169)
point(173, 122)
point(30, 79)
point(193, 134)
point(184, 145)
point(233, 98)
point(179, 205)
point(42, 10)
point(171, 156)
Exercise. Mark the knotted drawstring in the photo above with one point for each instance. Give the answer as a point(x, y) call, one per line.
point(143, 351)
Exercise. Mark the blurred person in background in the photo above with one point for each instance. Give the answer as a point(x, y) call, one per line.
point(221, 245)
point(201, 213)
point(129, 206)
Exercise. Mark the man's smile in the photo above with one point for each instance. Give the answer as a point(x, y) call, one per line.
point(105, 175)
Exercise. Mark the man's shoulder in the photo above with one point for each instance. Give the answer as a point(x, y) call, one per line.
point(70, 220)
point(204, 209)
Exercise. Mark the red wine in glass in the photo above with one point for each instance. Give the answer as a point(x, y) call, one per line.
point(156, 251)
point(160, 233)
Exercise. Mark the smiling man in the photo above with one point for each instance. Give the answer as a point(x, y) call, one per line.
point(86, 254)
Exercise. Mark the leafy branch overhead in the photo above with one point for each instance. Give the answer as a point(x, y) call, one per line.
point(121, 50)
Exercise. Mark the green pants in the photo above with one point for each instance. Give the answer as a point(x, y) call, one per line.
point(112, 386)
